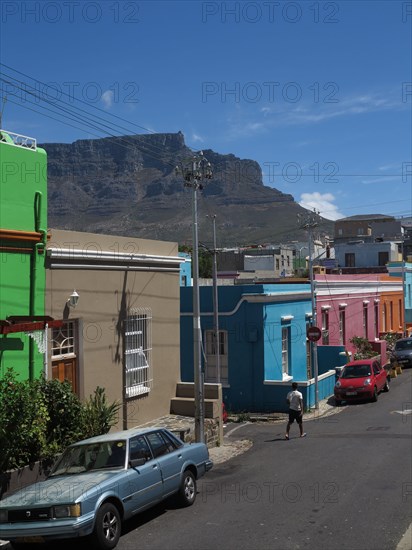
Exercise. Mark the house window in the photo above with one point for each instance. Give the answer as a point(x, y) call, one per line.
point(285, 351)
point(63, 340)
point(400, 314)
point(277, 263)
point(365, 320)
point(211, 359)
point(376, 322)
point(342, 335)
point(350, 259)
point(138, 352)
point(391, 315)
point(384, 328)
point(383, 258)
point(325, 327)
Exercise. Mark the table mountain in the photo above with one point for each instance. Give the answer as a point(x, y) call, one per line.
point(128, 186)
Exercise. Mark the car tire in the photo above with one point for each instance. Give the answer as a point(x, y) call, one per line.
point(375, 394)
point(386, 387)
point(107, 527)
point(187, 491)
point(338, 402)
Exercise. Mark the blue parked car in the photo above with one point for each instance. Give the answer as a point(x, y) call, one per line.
point(98, 483)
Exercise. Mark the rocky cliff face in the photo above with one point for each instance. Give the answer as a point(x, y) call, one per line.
point(128, 186)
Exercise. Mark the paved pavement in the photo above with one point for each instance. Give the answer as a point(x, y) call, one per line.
point(232, 447)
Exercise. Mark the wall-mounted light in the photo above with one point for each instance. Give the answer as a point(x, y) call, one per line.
point(74, 298)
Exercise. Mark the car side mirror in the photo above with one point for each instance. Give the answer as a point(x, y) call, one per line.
point(136, 462)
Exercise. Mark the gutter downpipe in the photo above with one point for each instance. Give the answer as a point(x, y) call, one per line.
point(33, 273)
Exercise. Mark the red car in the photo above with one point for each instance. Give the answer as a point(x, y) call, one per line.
point(360, 380)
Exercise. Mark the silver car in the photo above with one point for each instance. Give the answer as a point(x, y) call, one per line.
point(100, 482)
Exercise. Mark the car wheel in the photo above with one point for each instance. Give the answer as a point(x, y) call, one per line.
point(107, 527)
point(338, 402)
point(375, 394)
point(187, 491)
point(386, 386)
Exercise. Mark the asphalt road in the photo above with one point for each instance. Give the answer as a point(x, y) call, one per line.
point(346, 486)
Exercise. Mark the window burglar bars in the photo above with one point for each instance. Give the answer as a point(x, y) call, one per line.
point(138, 352)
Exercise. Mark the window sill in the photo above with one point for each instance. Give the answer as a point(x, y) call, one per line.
point(137, 390)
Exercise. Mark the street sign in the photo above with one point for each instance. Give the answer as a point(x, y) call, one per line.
point(313, 334)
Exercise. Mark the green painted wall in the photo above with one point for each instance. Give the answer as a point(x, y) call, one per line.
point(23, 173)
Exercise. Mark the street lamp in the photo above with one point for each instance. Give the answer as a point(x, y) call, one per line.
point(193, 173)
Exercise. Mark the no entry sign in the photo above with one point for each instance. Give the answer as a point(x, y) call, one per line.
point(313, 334)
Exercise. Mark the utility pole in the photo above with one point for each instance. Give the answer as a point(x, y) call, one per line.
point(309, 224)
point(215, 304)
point(404, 332)
point(193, 173)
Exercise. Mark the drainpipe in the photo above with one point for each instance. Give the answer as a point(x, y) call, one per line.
point(33, 272)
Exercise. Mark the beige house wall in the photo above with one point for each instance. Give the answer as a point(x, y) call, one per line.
point(105, 297)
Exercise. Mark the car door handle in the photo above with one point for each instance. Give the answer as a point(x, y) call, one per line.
point(179, 456)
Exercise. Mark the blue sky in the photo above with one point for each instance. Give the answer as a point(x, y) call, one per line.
point(319, 93)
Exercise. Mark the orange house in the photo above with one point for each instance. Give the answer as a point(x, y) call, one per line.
point(391, 309)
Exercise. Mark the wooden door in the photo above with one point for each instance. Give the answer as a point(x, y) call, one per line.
point(65, 369)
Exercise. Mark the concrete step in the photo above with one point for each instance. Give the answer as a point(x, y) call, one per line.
point(185, 406)
point(187, 389)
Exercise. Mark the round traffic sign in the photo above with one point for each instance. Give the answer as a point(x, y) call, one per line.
point(313, 334)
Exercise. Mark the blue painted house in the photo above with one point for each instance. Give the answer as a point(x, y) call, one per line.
point(404, 270)
point(262, 344)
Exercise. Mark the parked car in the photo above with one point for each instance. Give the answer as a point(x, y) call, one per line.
point(362, 379)
point(402, 352)
point(102, 481)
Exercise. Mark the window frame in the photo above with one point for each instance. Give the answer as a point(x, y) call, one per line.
point(138, 367)
point(342, 327)
point(285, 351)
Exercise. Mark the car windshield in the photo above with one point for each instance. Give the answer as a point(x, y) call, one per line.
point(88, 457)
point(406, 344)
point(356, 371)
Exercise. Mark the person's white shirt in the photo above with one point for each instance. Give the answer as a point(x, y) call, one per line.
point(295, 398)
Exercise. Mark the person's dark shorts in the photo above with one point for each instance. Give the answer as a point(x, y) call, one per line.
point(295, 415)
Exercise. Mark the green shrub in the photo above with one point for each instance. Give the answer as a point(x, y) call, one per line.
point(23, 423)
point(363, 348)
point(39, 419)
point(98, 415)
point(65, 411)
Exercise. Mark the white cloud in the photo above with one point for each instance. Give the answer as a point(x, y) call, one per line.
point(107, 98)
point(197, 138)
point(243, 122)
point(323, 202)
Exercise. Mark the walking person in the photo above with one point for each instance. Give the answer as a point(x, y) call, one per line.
point(295, 402)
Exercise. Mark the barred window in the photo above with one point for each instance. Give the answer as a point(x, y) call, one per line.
point(138, 352)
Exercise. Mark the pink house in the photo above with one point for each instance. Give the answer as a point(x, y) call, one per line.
point(349, 305)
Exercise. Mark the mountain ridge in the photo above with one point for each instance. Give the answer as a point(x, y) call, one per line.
point(127, 185)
